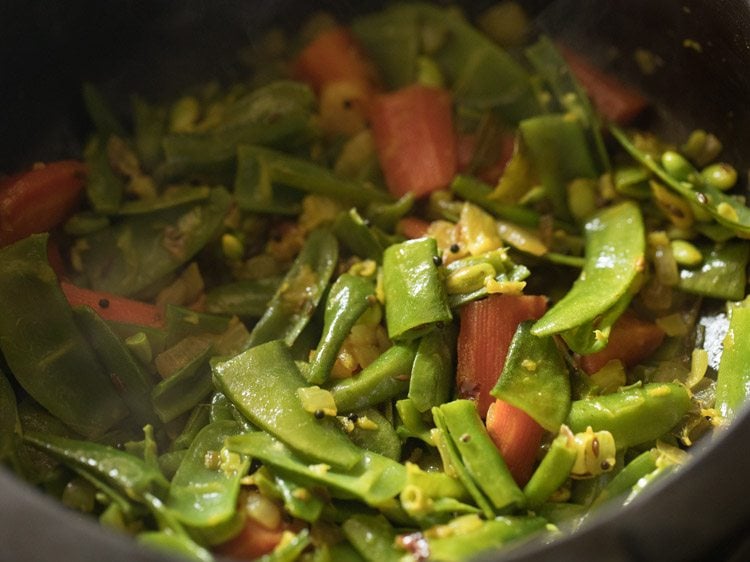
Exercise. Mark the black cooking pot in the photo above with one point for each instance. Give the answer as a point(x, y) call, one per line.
point(48, 48)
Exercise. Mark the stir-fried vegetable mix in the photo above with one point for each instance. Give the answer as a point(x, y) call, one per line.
point(412, 291)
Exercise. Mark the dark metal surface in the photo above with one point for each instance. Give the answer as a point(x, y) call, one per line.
point(48, 48)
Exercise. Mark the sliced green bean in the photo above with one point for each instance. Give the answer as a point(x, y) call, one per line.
point(185, 388)
point(615, 248)
point(535, 378)
point(299, 501)
point(481, 194)
point(553, 471)
point(385, 378)
point(479, 454)
point(381, 439)
point(105, 189)
point(352, 231)
point(186, 194)
point(624, 480)
point(43, 347)
point(633, 415)
point(722, 274)
point(373, 537)
point(374, 479)
point(149, 124)
point(432, 373)
point(347, 300)
point(131, 379)
point(242, 298)
point(260, 169)
point(262, 383)
point(484, 537)
point(173, 543)
point(593, 336)
point(733, 379)
point(300, 292)
point(203, 493)
point(136, 253)
point(415, 296)
point(412, 422)
point(199, 418)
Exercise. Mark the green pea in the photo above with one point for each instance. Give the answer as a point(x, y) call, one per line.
point(685, 253)
point(722, 176)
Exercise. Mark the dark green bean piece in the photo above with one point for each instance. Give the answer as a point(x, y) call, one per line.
point(101, 114)
point(386, 215)
point(615, 248)
point(104, 189)
point(171, 543)
point(593, 336)
point(571, 98)
point(352, 231)
point(125, 473)
point(300, 292)
point(374, 479)
point(382, 439)
point(733, 379)
point(299, 501)
point(170, 461)
point(199, 418)
point(411, 422)
point(203, 493)
point(632, 415)
point(262, 383)
point(385, 378)
point(486, 536)
point(184, 389)
point(132, 381)
point(480, 455)
point(373, 537)
point(260, 168)
point(9, 423)
point(628, 477)
point(136, 253)
point(535, 378)
point(186, 194)
point(415, 296)
point(248, 298)
point(477, 192)
point(183, 322)
point(149, 124)
point(721, 275)
point(432, 373)
point(553, 471)
point(278, 114)
point(560, 152)
point(44, 350)
point(347, 300)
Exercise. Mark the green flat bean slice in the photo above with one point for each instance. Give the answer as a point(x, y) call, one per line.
point(535, 378)
point(347, 300)
point(149, 126)
point(615, 247)
point(134, 254)
point(633, 415)
point(385, 378)
point(184, 389)
point(374, 479)
point(262, 383)
point(198, 419)
point(628, 477)
point(242, 298)
point(593, 336)
point(44, 350)
point(553, 471)
point(432, 373)
point(104, 189)
point(352, 231)
point(184, 195)
point(300, 292)
point(489, 535)
point(299, 501)
point(415, 296)
point(203, 496)
point(260, 169)
point(479, 454)
point(721, 275)
point(125, 473)
point(733, 379)
point(481, 194)
point(373, 537)
point(172, 543)
point(132, 381)
point(382, 439)
point(560, 153)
